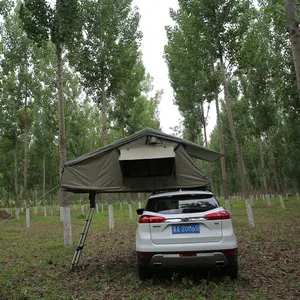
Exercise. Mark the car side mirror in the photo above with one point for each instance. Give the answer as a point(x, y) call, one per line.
point(140, 211)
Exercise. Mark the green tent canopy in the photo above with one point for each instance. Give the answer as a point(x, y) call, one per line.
point(146, 161)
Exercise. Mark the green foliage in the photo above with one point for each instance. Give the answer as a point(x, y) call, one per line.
point(60, 24)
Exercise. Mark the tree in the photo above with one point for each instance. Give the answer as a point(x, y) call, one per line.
point(294, 33)
point(216, 28)
point(17, 51)
point(108, 57)
point(62, 26)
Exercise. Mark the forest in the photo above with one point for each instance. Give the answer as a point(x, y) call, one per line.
point(72, 80)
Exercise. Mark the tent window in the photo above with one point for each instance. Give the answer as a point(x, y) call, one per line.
point(147, 161)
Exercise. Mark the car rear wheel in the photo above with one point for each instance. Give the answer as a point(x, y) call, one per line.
point(231, 271)
point(144, 272)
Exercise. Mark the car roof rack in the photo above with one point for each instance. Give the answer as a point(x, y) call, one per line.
point(203, 188)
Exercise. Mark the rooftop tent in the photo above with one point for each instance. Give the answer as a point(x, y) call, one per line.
point(146, 161)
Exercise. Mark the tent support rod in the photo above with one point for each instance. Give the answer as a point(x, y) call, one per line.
point(89, 217)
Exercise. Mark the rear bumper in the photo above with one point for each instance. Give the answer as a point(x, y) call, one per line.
point(209, 259)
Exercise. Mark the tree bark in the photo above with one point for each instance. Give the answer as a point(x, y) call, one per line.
point(103, 113)
point(206, 145)
point(44, 183)
point(278, 189)
point(236, 145)
point(222, 150)
point(129, 206)
point(26, 162)
point(16, 183)
point(64, 201)
point(263, 170)
point(111, 219)
point(294, 33)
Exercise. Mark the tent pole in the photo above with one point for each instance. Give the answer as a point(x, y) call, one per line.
point(89, 217)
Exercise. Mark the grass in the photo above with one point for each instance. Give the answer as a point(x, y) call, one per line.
point(34, 264)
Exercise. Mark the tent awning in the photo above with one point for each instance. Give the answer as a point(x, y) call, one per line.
point(146, 152)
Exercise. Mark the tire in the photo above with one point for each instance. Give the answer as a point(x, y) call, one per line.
point(144, 272)
point(231, 271)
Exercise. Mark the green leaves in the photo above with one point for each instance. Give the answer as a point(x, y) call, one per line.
point(37, 18)
point(61, 25)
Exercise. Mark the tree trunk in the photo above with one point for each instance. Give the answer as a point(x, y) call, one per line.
point(129, 206)
point(200, 161)
point(294, 33)
point(263, 170)
point(64, 201)
point(16, 184)
point(44, 182)
point(111, 219)
point(206, 145)
point(236, 145)
point(103, 113)
point(111, 216)
point(223, 164)
point(25, 163)
point(278, 189)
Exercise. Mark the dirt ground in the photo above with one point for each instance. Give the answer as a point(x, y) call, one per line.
point(38, 266)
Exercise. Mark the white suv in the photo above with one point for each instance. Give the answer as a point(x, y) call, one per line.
point(185, 229)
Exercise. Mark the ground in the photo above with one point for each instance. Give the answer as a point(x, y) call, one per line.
point(35, 264)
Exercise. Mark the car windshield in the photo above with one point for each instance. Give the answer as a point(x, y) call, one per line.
point(180, 204)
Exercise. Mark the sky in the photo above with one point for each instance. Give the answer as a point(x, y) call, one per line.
point(154, 17)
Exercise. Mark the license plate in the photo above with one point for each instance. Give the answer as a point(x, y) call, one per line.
point(188, 228)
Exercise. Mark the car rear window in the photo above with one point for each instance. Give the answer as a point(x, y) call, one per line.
point(180, 204)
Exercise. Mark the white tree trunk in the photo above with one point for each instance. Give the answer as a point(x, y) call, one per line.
point(102, 208)
point(82, 209)
point(268, 200)
point(35, 209)
point(121, 206)
point(227, 205)
point(61, 213)
point(130, 211)
point(7, 210)
point(17, 213)
point(251, 200)
point(249, 213)
point(97, 208)
point(67, 226)
point(281, 201)
point(111, 217)
point(139, 204)
point(27, 217)
point(45, 211)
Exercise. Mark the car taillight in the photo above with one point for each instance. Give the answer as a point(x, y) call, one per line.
point(230, 252)
point(187, 254)
point(151, 219)
point(145, 255)
point(221, 215)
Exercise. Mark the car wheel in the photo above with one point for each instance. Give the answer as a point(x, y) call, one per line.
point(144, 272)
point(231, 271)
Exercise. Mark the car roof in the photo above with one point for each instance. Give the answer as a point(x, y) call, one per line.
point(175, 193)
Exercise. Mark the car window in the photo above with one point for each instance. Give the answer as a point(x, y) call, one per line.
point(180, 204)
